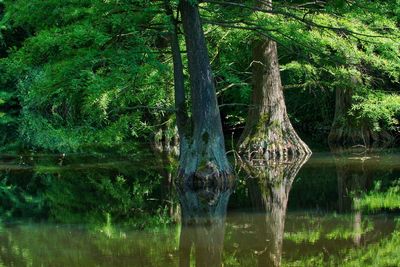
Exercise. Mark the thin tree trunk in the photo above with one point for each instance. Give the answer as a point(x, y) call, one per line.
point(204, 157)
point(179, 81)
point(268, 132)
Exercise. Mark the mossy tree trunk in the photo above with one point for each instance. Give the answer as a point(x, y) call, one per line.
point(202, 156)
point(268, 132)
point(347, 131)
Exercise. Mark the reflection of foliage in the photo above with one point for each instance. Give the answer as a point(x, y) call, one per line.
point(304, 189)
point(101, 195)
point(310, 236)
point(105, 196)
point(314, 232)
point(345, 233)
point(377, 199)
point(7, 197)
point(385, 253)
point(231, 260)
point(312, 229)
point(17, 199)
point(309, 261)
point(305, 235)
point(72, 246)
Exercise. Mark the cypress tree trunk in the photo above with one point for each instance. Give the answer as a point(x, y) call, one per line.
point(347, 131)
point(179, 81)
point(268, 132)
point(203, 158)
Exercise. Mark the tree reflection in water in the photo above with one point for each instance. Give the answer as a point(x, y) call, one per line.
point(355, 173)
point(269, 184)
point(203, 224)
point(204, 209)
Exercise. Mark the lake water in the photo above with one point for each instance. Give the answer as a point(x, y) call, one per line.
point(80, 210)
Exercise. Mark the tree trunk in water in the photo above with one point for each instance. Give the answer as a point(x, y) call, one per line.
point(348, 132)
point(269, 185)
point(268, 132)
point(203, 157)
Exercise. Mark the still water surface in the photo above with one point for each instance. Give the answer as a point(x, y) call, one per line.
point(107, 211)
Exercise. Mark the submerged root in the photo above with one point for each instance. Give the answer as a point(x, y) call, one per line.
point(272, 139)
point(208, 175)
point(268, 147)
point(275, 169)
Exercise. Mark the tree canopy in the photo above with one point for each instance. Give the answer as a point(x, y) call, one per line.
point(98, 74)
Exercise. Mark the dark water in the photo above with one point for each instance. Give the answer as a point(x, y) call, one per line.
point(79, 210)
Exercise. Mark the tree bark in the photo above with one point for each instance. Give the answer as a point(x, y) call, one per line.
point(203, 158)
point(268, 132)
point(179, 80)
point(349, 132)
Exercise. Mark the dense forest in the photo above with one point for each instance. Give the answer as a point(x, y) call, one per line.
point(131, 129)
point(99, 75)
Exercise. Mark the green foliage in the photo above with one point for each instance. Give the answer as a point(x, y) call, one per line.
point(23, 245)
point(378, 199)
point(303, 236)
point(380, 110)
point(343, 233)
point(101, 195)
point(80, 78)
point(336, 46)
point(78, 75)
point(386, 253)
point(19, 199)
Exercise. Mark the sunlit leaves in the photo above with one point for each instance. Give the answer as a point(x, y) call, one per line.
point(84, 69)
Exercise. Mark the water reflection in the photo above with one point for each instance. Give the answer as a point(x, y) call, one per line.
point(94, 214)
point(269, 185)
point(354, 175)
point(203, 224)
